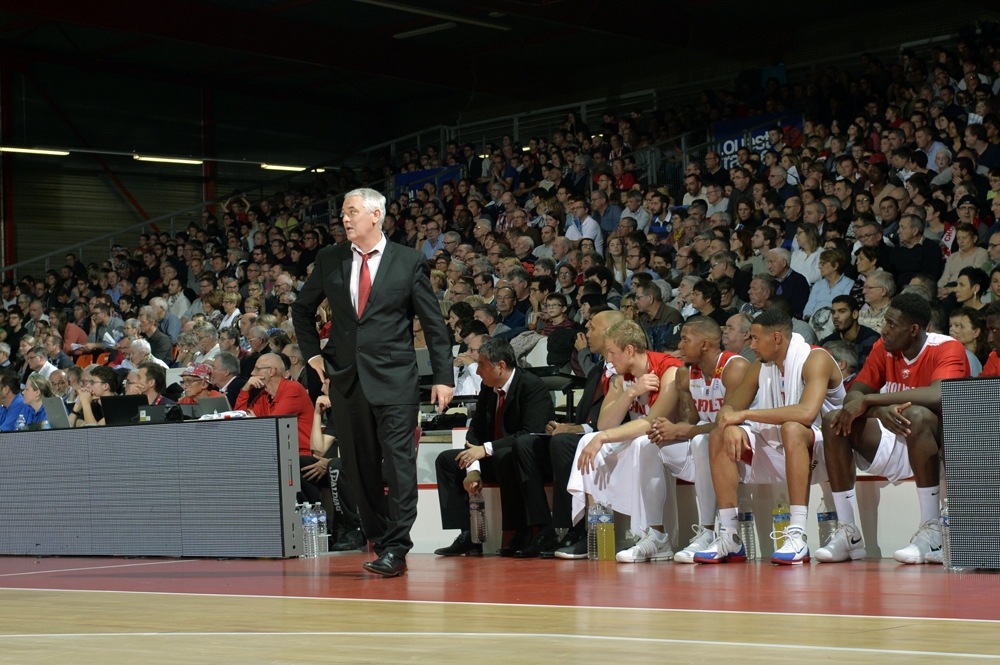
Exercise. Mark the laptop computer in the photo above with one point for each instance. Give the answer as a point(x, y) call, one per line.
point(160, 413)
point(214, 404)
point(55, 411)
point(123, 410)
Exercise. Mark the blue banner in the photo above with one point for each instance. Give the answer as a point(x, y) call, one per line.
point(731, 135)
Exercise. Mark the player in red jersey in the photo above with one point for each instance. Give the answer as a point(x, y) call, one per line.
point(619, 465)
point(992, 366)
point(891, 426)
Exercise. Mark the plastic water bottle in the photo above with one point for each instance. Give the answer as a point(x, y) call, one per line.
point(308, 531)
point(322, 534)
point(826, 519)
point(781, 518)
point(46, 424)
point(21, 423)
point(593, 515)
point(606, 534)
point(477, 517)
point(946, 539)
point(748, 531)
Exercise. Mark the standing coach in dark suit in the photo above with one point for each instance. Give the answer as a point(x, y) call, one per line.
point(375, 288)
point(512, 404)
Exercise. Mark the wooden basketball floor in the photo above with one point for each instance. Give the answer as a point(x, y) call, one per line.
point(490, 610)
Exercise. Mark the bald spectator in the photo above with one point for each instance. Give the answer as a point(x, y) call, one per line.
point(268, 393)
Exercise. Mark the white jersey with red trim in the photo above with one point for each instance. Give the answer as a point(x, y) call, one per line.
point(709, 396)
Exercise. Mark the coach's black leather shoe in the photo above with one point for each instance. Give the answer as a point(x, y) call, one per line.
point(463, 546)
point(387, 565)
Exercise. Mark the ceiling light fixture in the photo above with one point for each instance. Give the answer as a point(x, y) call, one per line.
point(167, 160)
point(281, 167)
point(35, 151)
point(425, 31)
point(433, 14)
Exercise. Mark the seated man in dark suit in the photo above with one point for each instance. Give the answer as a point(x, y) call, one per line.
point(525, 406)
point(551, 457)
point(226, 376)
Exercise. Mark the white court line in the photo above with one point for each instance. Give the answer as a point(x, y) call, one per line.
point(74, 570)
point(513, 605)
point(559, 636)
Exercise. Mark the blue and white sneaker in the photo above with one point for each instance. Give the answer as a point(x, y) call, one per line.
point(726, 548)
point(793, 551)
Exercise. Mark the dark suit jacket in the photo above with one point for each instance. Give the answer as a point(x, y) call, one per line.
point(378, 349)
point(527, 408)
point(593, 396)
point(161, 347)
point(233, 390)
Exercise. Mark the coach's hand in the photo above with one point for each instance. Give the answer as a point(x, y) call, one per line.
point(441, 395)
point(472, 453)
point(892, 418)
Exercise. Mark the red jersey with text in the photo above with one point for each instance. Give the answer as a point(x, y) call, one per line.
point(656, 363)
point(941, 357)
point(992, 366)
point(709, 394)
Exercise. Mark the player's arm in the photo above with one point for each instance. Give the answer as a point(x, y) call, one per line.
point(619, 399)
point(668, 429)
point(741, 398)
point(816, 373)
point(663, 407)
point(733, 377)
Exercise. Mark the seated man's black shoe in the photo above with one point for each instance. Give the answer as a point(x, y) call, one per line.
point(545, 540)
point(350, 541)
point(463, 546)
point(519, 541)
point(387, 565)
point(572, 537)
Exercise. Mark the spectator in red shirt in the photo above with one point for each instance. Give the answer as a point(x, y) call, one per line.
point(268, 393)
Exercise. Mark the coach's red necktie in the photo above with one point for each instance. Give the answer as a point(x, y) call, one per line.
point(364, 281)
point(498, 421)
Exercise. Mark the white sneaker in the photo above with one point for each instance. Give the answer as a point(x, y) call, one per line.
point(702, 540)
point(654, 546)
point(936, 556)
point(926, 541)
point(726, 547)
point(846, 544)
point(793, 550)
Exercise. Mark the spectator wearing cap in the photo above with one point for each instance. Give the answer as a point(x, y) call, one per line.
point(197, 381)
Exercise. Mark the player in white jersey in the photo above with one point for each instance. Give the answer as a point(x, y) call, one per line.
point(793, 385)
point(701, 388)
point(619, 465)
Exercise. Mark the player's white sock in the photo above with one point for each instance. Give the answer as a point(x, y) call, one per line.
point(729, 519)
point(846, 505)
point(799, 514)
point(929, 498)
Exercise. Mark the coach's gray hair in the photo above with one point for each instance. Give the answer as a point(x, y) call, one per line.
point(371, 200)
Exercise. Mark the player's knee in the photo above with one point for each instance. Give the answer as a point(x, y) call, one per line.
point(829, 417)
point(795, 435)
point(921, 419)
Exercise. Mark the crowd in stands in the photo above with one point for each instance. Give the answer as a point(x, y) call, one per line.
point(890, 189)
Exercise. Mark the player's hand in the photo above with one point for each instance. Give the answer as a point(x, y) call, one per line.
point(472, 453)
point(664, 431)
point(473, 482)
point(586, 461)
point(735, 444)
point(647, 383)
point(729, 417)
point(315, 471)
point(844, 419)
point(441, 395)
point(318, 364)
point(892, 418)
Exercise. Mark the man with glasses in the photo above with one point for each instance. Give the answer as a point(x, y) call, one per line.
point(459, 291)
point(509, 315)
point(653, 312)
point(434, 240)
point(582, 225)
point(268, 393)
point(451, 241)
point(484, 287)
point(208, 342)
point(637, 262)
point(879, 289)
point(38, 362)
point(993, 248)
point(258, 342)
point(196, 379)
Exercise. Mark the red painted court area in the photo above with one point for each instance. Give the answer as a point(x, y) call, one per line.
point(871, 588)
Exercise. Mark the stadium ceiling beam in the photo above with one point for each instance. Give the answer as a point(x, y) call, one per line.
point(193, 23)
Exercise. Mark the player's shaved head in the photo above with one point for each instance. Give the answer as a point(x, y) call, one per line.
point(702, 326)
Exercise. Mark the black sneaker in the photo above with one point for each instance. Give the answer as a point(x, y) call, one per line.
point(568, 540)
point(462, 546)
point(350, 541)
point(575, 550)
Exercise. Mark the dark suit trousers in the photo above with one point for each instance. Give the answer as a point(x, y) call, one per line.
point(544, 458)
point(368, 435)
point(500, 468)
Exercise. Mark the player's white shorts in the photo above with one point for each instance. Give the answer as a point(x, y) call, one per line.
point(679, 460)
point(628, 475)
point(892, 460)
point(766, 463)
